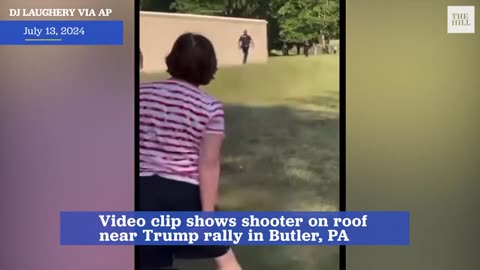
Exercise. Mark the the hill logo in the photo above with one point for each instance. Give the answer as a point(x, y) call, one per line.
point(461, 20)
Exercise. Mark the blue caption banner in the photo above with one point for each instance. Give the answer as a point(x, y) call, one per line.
point(235, 228)
point(61, 32)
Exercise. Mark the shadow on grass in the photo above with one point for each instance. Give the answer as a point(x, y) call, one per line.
point(279, 158)
point(328, 101)
point(287, 156)
point(282, 55)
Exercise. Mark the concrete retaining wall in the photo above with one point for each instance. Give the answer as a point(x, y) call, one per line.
point(158, 31)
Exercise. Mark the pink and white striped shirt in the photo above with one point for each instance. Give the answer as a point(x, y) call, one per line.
point(174, 116)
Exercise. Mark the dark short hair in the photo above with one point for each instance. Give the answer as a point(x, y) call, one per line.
point(192, 59)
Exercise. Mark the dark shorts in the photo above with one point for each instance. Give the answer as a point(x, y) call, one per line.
point(160, 194)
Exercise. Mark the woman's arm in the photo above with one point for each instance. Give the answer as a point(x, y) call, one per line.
point(209, 169)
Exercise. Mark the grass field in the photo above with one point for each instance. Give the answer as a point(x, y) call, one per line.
point(281, 151)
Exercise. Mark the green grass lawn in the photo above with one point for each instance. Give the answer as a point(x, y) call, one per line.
point(281, 150)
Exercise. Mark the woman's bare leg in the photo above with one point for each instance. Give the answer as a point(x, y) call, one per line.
point(227, 262)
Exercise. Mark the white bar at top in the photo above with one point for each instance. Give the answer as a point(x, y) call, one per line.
point(184, 15)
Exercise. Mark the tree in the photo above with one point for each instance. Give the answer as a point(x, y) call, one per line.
point(156, 5)
point(211, 7)
point(235, 8)
point(289, 21)
point(306, 20)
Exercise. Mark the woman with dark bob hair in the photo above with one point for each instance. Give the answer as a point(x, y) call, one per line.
point(181, 135)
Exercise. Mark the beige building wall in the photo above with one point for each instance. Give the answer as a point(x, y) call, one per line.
point(158, 32)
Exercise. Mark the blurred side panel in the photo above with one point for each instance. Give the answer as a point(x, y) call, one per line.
point(67, 142)
point(412, 130)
